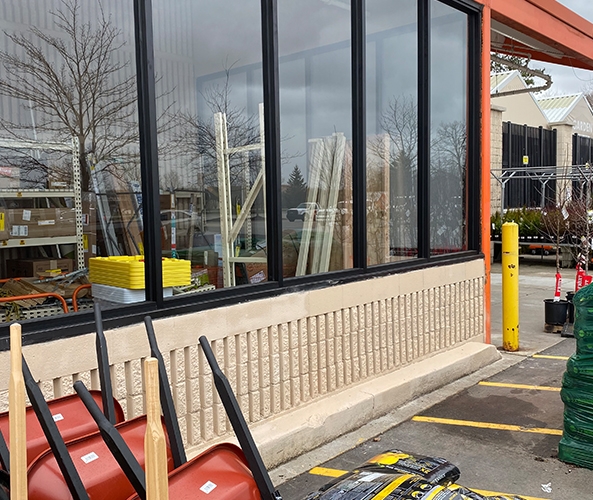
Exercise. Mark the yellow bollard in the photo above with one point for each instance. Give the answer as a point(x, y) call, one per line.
point(510, 286)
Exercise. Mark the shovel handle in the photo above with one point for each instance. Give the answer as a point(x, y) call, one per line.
point(155, 446)
point(17, 418)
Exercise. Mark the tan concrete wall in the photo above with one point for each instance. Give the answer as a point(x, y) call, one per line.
point(279, 353)
point(496, 114)
point(521, 109)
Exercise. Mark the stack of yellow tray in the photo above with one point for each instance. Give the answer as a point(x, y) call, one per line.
point(128, 271)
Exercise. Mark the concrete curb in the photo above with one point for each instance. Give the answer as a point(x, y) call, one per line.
point(288, 436)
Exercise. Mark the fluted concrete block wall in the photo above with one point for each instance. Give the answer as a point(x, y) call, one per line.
point(496, 157)
point(278, 353)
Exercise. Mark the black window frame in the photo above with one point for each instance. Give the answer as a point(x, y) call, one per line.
point(69, 325)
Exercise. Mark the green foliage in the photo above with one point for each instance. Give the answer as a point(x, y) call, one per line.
point(529, 221)
point(296, 191)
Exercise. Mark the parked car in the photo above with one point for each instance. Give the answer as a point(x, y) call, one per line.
point(303, 211)
point(326, 214)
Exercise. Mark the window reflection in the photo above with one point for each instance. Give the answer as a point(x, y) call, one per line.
point(315, 124)
point(210, 80)
point(448, 129)
point(392, 126)
point(69, 156)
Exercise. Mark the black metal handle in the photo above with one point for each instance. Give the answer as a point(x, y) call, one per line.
point(116, 444)
point(169, 413)
point(103, 365)
point(53, 436)
point(4, 453)
point(231, 406)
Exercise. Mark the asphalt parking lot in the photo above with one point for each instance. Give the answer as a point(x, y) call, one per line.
point(501, 425)
point(502, 433)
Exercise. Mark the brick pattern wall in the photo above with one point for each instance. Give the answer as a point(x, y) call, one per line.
point(283, 365)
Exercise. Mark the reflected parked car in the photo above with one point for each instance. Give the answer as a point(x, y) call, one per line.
point(303, 211)
point(333, 214)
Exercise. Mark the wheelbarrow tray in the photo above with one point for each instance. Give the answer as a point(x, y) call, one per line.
point(219, 473)
point(100, 473)
point(71, 417)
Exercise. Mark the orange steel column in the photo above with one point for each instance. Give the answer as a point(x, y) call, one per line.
point(486, 131)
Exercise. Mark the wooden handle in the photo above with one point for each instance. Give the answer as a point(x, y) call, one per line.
point(155, 448)
point(17, 419)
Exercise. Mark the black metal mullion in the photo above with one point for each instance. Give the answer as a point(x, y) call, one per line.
point(424, 128)
point(269, 13)
point(474, 164)
point(358, 33)
point(148, 151)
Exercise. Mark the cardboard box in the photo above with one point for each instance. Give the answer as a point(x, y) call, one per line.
point(23, 268)
point(41, 222)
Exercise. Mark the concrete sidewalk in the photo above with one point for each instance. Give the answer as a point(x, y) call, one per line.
point(536, 283)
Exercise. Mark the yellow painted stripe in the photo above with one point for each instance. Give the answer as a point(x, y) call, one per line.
point(322, 471)
point(549, 356)
point(488, 425)
point(382, 495)
point(521, 386)
point(497, 494)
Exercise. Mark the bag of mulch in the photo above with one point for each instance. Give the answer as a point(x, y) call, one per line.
point(579, 425)
point(575, 452)
point(363, 485)
point(435, 470)
point(468, 494)
point(580, 366)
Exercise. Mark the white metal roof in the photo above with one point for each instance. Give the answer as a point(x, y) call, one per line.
point(558, 108)
point(498, 81)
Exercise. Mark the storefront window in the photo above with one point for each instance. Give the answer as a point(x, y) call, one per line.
point(392, 130)
point(209, 84)
point(69, 155)
point(448, 149)
point(315, 126)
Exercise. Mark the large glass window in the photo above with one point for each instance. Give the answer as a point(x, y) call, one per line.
point(392, 130)
point(69, 155)
point(448, 148)
point(209, 83)
point(315, 125)
point(70, 172)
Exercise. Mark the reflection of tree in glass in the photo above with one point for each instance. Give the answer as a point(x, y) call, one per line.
point(447, 176)
point(195, 137)
point(74, 84)
point(296, 189)
point(399, 147)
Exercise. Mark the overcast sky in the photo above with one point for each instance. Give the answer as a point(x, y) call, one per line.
point(568, 80)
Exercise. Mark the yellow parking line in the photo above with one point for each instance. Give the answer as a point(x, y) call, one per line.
point(495, 494)
point(324, 471)
point(488, 425)
point(521, 386)
point(549, 356)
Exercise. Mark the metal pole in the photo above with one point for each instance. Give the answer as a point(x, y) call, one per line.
point(510, 286)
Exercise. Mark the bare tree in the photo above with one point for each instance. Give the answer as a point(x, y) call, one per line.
point(77, 84)
point(194, 136)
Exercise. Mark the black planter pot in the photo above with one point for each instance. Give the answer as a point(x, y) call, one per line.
point(569, 296)
point(555, 313)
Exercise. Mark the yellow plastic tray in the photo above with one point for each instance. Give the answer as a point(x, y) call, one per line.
point(128, 271)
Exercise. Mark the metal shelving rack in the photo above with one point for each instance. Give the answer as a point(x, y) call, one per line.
point(74, 193)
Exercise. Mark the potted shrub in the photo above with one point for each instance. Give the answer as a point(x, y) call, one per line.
point(555, 227)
